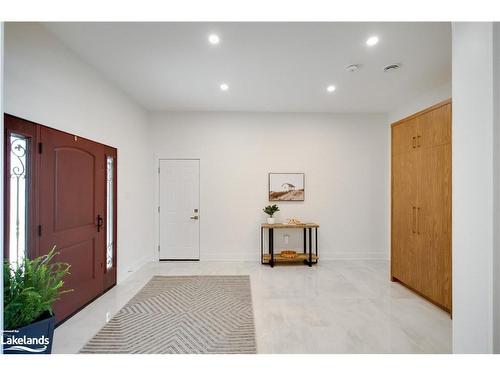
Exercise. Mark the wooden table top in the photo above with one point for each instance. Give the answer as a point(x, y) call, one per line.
point(285, 225)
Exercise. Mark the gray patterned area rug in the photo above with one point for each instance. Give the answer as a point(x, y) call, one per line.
point(182, 314)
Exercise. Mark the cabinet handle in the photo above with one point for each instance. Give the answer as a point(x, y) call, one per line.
point(418, 220)
point(418, 141)
point(413, 142)
point(413, 219)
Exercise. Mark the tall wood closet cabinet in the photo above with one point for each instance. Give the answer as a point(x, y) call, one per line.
point(421, 203)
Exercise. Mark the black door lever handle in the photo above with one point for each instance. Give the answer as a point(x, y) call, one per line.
point(99, 222)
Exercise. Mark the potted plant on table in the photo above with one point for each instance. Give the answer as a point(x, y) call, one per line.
point(30, 290)
point(271, 210)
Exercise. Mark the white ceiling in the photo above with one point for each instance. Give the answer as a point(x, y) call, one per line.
point(281, 67)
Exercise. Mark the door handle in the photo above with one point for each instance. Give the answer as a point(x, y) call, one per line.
point(413, 142)
point(99, 222)
point(413, 219)
point(194, 217)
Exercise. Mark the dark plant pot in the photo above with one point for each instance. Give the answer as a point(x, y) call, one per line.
point(35, 338)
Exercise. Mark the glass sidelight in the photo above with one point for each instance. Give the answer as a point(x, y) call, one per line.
point(110, 214)
point(18, 197)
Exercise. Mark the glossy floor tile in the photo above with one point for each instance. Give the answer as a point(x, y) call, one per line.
point(334, 307)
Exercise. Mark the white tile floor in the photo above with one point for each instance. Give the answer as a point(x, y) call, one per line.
point(334, 307)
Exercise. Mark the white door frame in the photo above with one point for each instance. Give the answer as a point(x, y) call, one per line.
point(157, 200)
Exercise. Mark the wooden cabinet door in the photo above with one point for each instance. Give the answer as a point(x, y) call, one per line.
point(404, 203)
point(434, 225)
point(434, 127)
point(404, 136)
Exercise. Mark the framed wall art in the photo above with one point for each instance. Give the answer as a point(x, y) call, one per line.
point(286, 186)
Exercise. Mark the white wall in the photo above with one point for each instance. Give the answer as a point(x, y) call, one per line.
point(473, 166)
point(421, 102)
point(46, 83)
point(496, 168)
point(346, 163)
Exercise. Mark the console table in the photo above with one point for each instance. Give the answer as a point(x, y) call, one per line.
point(307, 256)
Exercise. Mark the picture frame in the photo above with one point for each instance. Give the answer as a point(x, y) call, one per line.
point(286, 187)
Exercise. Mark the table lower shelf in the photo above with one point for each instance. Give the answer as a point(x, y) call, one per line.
point(299, 258)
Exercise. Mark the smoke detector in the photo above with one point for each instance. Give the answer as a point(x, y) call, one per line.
point(392, 67)
point(352, 68)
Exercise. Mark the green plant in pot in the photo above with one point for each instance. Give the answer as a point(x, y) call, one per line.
point(271, 210)
point(30, 290)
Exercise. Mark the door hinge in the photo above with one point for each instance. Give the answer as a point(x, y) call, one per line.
point(158, 170)
point(40, 147)
point(158, 209)
point(39, 231)
point(158, 248)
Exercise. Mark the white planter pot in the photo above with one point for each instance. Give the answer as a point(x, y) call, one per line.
point(271, 220)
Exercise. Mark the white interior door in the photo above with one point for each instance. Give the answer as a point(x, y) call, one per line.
point(179, 209)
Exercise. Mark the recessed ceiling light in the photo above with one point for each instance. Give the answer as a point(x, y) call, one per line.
point(331, 88)
point(214, 39)
point(224, 86)
point(371, 41)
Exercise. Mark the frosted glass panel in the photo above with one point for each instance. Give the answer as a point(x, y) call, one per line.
point(110, 215)
point(18, 199)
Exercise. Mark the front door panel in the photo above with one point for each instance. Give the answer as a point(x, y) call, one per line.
point(72, 184)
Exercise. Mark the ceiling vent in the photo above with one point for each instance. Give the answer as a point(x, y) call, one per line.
point(352, 68)
point(392, 67)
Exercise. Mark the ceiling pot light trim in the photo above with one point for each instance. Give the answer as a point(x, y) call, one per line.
point(331, 88)
point(224, 86)
point(371, 41)
point(213, 39)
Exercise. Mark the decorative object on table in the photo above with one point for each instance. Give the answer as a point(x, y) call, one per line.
point(271, 210)
point(286, 186)
point(182, 315)
point(293, 221)
point(30, 289)
point(288, 254)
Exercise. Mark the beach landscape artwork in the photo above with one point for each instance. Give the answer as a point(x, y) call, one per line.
point(286, 186)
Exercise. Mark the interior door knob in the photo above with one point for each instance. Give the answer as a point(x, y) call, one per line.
point(194, 217)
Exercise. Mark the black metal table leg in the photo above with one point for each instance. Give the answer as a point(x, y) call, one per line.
point(316, 237)
point(310, 247)
point(261, 245)
point(271, 247)
point(305, 247)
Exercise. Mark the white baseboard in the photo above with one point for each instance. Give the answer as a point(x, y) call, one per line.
point(121, 277)
point(323, 255)
point(230, 257)
point(337, 255)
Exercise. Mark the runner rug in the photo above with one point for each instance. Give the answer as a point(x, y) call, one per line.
point(182, 314)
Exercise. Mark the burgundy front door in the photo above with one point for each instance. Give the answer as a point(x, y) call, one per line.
point(60, 190)
point(71, 213)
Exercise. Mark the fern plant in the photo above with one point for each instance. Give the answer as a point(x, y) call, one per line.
point(31, 288)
